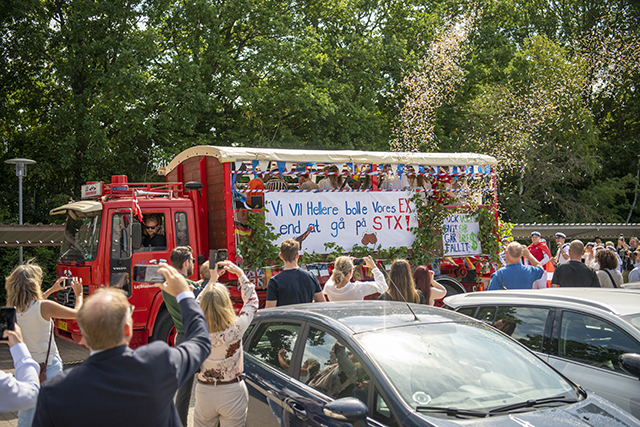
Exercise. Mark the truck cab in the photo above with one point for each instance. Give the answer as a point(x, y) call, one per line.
point(103, 242)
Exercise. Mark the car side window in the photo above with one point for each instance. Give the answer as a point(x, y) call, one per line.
point(593, 341)
point(467, 310)
point(332, 368)
point(486, 314)
point(524, 324)
point(273, 344)
point(382, 411)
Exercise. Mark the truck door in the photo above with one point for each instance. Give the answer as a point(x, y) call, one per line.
point(156, 246)
point(121, 249)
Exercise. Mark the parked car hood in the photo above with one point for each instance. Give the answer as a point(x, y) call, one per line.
point(593, 411)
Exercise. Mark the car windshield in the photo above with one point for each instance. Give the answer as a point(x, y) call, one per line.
point(80, 241)
point(467, 366)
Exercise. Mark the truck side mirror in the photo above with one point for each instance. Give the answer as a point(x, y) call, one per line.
point(193, 185)
point(136, 235)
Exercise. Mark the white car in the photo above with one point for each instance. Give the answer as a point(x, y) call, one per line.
point(582, 332)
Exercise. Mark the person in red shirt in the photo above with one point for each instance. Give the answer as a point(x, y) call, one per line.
point(255, 196)
point(541, 252)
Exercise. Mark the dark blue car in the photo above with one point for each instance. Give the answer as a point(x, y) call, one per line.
point(375, 363)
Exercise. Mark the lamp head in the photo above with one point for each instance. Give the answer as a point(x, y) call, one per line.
point(21, 165)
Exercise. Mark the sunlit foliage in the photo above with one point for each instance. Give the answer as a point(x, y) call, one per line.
point(432, 83)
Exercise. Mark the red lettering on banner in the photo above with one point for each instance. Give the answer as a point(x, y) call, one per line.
point(404, 205)
point(376, 223)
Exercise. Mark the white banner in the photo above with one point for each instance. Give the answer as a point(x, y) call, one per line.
point(374, 219)
point(461, 235)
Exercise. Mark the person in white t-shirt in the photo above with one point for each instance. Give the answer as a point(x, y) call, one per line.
point(339, 287)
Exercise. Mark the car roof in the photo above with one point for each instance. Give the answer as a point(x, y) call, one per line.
point(617, 301)
point(363, 316)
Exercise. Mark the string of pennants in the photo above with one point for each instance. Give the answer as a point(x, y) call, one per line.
point(425, 190)
point(287, 167)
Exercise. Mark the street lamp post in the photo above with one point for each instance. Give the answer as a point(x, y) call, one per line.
point(21, 171)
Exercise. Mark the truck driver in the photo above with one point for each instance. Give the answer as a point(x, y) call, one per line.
point(153, 232)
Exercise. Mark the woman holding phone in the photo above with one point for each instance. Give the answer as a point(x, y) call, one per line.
point(425, 283)
point(222, 397)
point(339, 287)
point(34, 315)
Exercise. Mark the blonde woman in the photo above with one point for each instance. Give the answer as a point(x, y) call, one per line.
point(34, 314)
point(402, 287)
point(221, 394)
point(339, 287)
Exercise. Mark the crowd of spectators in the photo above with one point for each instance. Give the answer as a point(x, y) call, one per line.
point(208, 344)
point(575, 264)
point(209, 332)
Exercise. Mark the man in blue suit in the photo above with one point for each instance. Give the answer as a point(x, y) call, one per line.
point(117, 386)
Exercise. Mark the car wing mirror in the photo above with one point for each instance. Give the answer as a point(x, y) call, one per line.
point(349, 410)
point(136, 235)
point(630, 363)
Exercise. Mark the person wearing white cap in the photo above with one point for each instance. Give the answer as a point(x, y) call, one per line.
point(589, 257)
point(541, 252)
point(563, 249)
point(634, 275)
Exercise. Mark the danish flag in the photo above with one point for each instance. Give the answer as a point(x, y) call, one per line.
point(137, 212)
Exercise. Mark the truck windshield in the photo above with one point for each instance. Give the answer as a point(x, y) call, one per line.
point(81, 237)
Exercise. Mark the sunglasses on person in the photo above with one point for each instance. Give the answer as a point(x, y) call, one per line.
point(151, 227)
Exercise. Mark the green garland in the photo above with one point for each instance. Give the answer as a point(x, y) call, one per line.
point(258, 250)
point(427, 245)
point(430, 214)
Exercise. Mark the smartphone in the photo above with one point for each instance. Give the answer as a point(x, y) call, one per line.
point(358, 261)
point(66, 282)
point(7, 319)
point(222, 255)
point(147, 273)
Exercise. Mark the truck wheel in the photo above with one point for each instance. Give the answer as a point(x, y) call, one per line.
point(164, 329)
point(450, 284)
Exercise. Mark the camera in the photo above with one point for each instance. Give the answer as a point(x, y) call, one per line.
point(7, 319)
point(358, 261)
point(216, 256)
point(66, 282)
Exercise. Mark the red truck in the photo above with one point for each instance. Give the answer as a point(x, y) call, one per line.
point(204, 202)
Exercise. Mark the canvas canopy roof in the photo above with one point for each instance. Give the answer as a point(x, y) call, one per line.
point(235, 154)
point(77, 210)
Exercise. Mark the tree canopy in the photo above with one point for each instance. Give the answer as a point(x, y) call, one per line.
point(93, 89)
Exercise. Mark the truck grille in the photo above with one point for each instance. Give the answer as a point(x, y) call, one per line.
point(67, 297)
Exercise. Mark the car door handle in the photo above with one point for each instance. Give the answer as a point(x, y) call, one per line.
point(298, 410)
